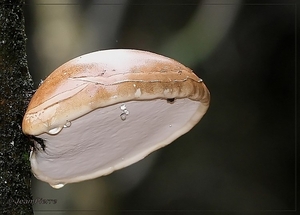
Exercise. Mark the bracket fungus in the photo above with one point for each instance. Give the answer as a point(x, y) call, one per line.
point(108, 109)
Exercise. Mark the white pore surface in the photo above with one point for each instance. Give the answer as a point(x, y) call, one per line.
point(101, 142)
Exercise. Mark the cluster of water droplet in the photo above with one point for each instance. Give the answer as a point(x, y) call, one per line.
point(58, 129)
point(124, 113)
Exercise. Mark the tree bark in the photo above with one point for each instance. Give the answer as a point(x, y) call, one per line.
point(15, 91)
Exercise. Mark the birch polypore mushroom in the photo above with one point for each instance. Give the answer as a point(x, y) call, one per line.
point(106, 110)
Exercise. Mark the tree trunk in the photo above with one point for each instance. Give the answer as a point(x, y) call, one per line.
point(15, 91)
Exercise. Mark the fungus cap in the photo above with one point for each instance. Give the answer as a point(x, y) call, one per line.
point(108, 109)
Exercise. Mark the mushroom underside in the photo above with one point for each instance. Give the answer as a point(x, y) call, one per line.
point(111, 138)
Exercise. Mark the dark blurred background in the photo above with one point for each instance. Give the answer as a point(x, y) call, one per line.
point(241, 157)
